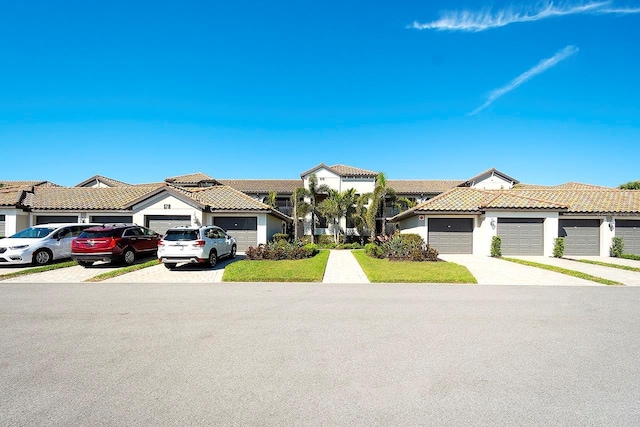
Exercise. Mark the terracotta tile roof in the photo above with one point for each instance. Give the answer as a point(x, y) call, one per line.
point(108, 181)
point(286, 186)
point(422, 186)
point(590, 201)
point(193, 178)
point(26, 184)
point(11, 196)
point(87, 198)
point(222, 197)
point(604, 200)
point(580, 186)
point(342, 170)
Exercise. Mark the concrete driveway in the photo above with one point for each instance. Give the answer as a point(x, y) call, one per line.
point(494, 271)
point(629, 278)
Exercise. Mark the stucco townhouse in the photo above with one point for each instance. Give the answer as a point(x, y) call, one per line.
point(454, 216)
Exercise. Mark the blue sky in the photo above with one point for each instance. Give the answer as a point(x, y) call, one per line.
point(140, 91)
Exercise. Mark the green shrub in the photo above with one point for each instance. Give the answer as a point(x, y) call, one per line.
point(281, 249)
point(496, 246)
point(373, 250)
point(407, 247)
point(630, 256)
point(617, 247)
point(558, 247)
point(280, 236)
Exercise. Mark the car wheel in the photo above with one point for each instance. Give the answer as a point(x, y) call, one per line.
point(128, 256)
point(170, 265)
point(233, 251)
point(42, 257)
point(213, 259)
point(85, 263)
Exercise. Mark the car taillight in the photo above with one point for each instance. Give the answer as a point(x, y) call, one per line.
point(160, 243)
point(112, 243)
point(199, 243)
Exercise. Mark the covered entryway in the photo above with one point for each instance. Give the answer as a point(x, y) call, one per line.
point(118, 219)
point(629, 230)
point(56, 219)
point(521, 236)
point(161, 223)
point(243, 228)
point(581, 236)
point(451, 235)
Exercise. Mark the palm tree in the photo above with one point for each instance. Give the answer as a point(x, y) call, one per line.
point(359, 214)
point(380, 193)
point(309, 196)
point(271, 199)
point(335, 207)
point(300, 208)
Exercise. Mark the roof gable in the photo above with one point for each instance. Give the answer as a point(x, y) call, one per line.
point(192, 180)
point(108, 182)
point(341, 170)
point(491, 179)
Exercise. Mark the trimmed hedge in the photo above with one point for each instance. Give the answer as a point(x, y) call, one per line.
point(281, 249)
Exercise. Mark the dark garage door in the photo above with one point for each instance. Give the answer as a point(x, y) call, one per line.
point(58, 219)
point(161, 223)
point(243, 229)
point(521, 236)
point(451, 235)
point(105, 219)
point(2, 222)
point(581, 236)
point(629, 230)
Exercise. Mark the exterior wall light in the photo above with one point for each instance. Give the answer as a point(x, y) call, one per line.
point(612, 224)
point(493, 223)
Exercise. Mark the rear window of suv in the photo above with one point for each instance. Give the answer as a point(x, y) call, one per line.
point(178, 235)
point(96, 234)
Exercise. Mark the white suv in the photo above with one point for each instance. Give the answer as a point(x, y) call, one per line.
point(201, 245)
point(40, 244)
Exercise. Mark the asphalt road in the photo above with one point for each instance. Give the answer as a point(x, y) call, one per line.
point(318, 354)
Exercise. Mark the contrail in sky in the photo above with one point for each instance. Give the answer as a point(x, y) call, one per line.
point(476, 21)
point(542, 66)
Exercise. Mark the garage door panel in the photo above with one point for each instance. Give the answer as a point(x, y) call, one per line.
point(521, 236)
point(451, 235)
point(161, 223)
point(118, 219)
point(581, 236)
point(56, 219)
point(243, 229)
point(629, 231)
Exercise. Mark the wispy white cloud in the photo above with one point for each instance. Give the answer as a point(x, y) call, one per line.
point(476, 21)
point(542, 66)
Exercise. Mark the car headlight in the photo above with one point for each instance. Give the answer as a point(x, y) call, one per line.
point(18, 247)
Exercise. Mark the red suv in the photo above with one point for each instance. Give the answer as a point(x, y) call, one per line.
point(115, 243)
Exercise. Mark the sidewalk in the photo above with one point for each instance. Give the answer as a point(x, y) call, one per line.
point(342, 267)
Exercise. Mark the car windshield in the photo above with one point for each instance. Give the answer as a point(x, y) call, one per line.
point(32, 233)
point(96, 234)
point(177, 235)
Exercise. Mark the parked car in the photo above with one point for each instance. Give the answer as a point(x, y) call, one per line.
point(195, 245)
point(122, 243)
point(40, 244)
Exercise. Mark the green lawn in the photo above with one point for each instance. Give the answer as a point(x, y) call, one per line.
point(301, 270)
point(608, 264)
point(37, 269)
point(383, 270)
point(568, 272)
point(123, 270)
